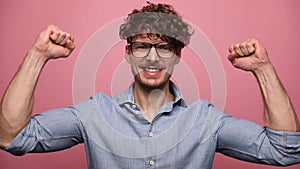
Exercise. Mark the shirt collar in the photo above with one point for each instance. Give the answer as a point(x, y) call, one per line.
point(127, 96)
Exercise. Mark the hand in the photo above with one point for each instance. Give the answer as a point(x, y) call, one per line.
point(54, 43)
point(249, 55)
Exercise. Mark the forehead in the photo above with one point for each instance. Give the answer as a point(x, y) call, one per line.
point(151, 38)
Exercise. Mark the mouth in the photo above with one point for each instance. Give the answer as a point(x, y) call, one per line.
point(152, 70)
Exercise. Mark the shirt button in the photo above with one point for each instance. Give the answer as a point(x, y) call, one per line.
point(151, 134)
point(151, 162)
point(137, 112)
point(133, 106)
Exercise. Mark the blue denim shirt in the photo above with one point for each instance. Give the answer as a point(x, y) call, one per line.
point(181, 136)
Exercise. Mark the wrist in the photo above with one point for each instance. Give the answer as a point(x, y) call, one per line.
point(37, 55)
point(263, 70)
point(34, 61)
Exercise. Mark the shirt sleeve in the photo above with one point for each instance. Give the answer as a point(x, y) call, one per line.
point(248, 141)
point(49, 131)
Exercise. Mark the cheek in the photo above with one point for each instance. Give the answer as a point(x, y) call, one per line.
point(170, 65)
point(169, 69)
point(134, 67)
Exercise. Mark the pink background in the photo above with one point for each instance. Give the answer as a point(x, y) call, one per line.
point(275, 23)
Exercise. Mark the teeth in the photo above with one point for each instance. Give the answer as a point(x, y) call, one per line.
point(151, 70)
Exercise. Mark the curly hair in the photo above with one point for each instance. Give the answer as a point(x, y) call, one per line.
point(160, 20)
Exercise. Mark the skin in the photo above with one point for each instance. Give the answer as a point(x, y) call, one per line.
point(151, 90)
point(279, 113)
point(17, 102)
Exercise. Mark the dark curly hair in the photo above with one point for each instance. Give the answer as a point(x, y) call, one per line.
point(159, 20)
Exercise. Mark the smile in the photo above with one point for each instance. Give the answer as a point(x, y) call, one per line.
point(152, 70)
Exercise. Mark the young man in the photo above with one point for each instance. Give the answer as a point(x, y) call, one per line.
point(150, 124)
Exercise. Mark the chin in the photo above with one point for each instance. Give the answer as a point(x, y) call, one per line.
point(152, 83)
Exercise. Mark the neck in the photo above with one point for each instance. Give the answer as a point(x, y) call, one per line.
point(151, 99)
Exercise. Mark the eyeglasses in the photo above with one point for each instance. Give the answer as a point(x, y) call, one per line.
point(142, 49)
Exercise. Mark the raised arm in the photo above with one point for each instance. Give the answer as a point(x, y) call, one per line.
point(17, 102)
point(279, 113)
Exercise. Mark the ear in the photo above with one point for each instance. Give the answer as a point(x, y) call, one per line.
point(127, 54)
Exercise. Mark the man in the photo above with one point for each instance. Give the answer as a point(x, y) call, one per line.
point(150, 124)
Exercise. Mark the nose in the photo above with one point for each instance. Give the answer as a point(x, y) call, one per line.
point(152, 56)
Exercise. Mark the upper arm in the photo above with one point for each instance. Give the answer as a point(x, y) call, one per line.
point(49, 131)
point(246, 140)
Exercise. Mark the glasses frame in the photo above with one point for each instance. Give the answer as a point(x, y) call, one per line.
point(155, 46)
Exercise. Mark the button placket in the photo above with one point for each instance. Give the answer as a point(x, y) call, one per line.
point(151, 132)
point(135, 109)
point(151, 160)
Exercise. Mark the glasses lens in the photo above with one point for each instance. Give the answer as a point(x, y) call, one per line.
point(140, 49)
point(165, 50)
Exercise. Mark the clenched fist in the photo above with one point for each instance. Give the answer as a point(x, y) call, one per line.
point(54, 43)
point(249, 55)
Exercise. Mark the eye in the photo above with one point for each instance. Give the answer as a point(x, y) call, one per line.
point(166, 47)
point(140, 46)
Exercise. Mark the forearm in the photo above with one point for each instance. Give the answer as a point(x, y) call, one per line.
point(279, 113)
point(17, 102)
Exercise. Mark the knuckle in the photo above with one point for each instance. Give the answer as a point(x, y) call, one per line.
point(63, 35)
point(255, 40)
point(236, 46)
point(241, 45)
point(50, 26)
point(248, 45)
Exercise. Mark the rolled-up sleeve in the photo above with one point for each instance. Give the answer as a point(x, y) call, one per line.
point(49, 131)
point(248, 141)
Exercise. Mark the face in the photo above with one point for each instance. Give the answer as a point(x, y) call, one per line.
point(151, 71)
